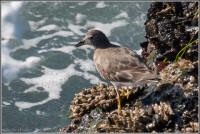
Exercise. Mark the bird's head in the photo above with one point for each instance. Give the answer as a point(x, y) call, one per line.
point(94, 38)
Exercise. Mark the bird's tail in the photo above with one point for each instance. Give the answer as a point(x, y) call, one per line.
point(149, 78)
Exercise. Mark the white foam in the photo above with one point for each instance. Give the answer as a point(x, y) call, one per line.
point(64, 49)
point(39, 112)
point(48, 28)
point(34, 25)
point(123, 14)
point(107, 27)
point(8, 8)
point(86, 65)
point(57, 19)
point(75, 37)
point(52, 80)
point(82, 3)
point(76, 28)
point(138, 6)
point(7, 30)
point(71, 6)
point(80, 17)
point(6, 103)
point(31, 61)
point(100, 4)
point(86, 48)
point(93, 79)
point(28, 43)
point(32, 90)
point(137, 51)
point(140, 20)
point(44, 129)
point(36, 130)
point(24, 105)
point(11, 67)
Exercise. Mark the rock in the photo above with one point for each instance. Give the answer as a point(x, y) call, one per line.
point(161, 109)
point(170, 26)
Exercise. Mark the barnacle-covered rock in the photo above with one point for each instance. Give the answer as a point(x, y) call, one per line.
point(97, 96)
point(162, 108)
point(171, 26)
point(183, 74)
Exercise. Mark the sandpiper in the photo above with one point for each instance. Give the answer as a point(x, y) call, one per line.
point(119, 65)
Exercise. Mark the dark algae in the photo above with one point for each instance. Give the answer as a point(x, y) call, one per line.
point(170, 105)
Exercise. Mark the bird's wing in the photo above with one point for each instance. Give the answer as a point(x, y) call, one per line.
point(122, 65)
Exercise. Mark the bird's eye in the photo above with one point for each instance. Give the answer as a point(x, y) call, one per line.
point(91, 37)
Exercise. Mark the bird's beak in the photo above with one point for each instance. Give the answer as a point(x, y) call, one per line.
point(80, 43)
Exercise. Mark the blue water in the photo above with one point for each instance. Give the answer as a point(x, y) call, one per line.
point(42, 70)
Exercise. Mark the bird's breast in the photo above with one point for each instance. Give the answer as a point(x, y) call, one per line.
point(101, 61)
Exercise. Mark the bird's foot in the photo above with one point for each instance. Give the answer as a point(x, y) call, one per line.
point(127, 94)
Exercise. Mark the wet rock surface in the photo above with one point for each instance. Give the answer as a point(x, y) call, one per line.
point(171, 105)
point(171, 26)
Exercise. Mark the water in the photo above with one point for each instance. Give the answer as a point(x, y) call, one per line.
point(42, 70)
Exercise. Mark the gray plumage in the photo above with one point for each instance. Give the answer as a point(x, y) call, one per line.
point(119, 65)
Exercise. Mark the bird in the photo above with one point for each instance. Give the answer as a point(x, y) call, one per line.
point(119, 65)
